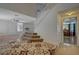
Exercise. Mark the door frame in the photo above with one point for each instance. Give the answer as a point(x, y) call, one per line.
point(61, 16)
point(75, 29)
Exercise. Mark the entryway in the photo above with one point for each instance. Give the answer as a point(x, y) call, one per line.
point(68, 27)
point(69, 30)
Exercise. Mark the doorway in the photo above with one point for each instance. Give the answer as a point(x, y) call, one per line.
point(69, 30)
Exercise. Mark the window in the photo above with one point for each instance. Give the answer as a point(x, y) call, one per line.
point(19, 27)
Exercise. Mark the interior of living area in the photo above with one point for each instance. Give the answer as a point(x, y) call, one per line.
point(39, 29)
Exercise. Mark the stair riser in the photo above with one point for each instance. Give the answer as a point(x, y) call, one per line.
point(30, 41)
point(33, 36)
point(31, 33)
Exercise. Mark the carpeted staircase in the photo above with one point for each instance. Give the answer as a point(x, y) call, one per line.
point(31, 37)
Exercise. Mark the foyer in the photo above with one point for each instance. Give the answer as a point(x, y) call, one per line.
point(39, 29)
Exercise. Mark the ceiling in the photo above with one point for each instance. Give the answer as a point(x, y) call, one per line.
point(14, 16)
point(30, 9)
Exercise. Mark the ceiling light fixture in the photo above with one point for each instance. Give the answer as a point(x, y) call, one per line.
point(70, 13)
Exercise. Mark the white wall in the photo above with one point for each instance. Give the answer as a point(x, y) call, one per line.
point(8, 27)
point(7, 23)
point(48, 27)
